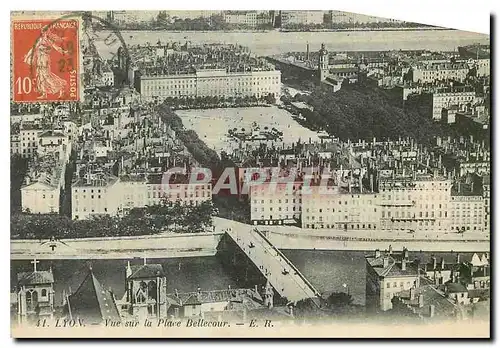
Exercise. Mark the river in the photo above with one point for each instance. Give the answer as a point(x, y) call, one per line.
point(326, 270)
point(275, 42)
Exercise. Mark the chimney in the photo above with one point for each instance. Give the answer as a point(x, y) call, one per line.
point(442, 263)
point(405, 254)
point(431, 311)
point(390, 249)
point(420, 301)
point(403, 265)
point(434, 262)
point(377, 253)
point(458, 259)
point(386, 261)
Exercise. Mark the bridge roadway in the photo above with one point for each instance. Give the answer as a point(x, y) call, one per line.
point(285, 278)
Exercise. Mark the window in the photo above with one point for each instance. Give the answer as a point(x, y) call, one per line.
point(44, 292)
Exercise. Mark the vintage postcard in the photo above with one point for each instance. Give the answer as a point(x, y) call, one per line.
point(248, 174)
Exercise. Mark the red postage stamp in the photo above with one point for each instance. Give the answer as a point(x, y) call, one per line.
point(45, 58)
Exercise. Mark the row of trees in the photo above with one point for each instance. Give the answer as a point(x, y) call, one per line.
point(150, 220)
point(361, 112)
point(328, 25)
point(218, 101)
point(204, 155)
point(18, 170)
point(335, 305)
point(164, 21)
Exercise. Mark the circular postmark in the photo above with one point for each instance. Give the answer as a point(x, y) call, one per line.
point(79, 65)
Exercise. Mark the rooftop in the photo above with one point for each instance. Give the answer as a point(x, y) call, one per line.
point(455, 287)
point(443, 307)
point(200, 297)
point(151, 270)
point(33, 278)
point(51, 133)
point(390, 264)
point(92, 302)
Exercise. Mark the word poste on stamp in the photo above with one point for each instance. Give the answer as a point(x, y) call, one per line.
point(45, 56)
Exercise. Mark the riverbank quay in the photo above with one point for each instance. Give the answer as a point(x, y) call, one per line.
point(173, 245)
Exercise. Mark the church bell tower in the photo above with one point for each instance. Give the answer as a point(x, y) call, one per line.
point(323, 63)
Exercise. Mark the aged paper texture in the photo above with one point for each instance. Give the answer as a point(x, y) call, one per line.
point(248, 174)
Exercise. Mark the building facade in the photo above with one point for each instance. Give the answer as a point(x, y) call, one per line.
point(467, 212)
point(388, 274)
point(301, 18)
point(35, 295)
point(486, 198)
point(446, 99)
point(275, 203)
point(430, 73)
point(107, 195)
point(212, 83)
point(413, 205)
point(247, 18)
point(29, 140)
point(341, 211)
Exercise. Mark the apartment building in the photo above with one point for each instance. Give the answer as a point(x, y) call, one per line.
point(441, 100)
point(467, 212)
point(94, 195)
point(275, 203)
point(15, 142)
point(41, 197)
point(248, 18)
point(388, 274)
point(46, 176)
point(486, 196)
point(29, 139)
point(301, 17)
point(335, 209)
point(478, 165)
point(42, 191)
point(54, 141)
point(430, 73)
point(99, 194)
point(483, 67)
point(212, 83)
point(419, 203)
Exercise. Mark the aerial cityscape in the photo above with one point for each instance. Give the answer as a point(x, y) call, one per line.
point(236, 169)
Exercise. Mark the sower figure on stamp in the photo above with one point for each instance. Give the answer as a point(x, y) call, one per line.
point(39, 58)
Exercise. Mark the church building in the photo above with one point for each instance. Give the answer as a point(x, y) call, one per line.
point(35, 295)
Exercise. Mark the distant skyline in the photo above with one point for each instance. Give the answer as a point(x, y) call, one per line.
point(183, 14)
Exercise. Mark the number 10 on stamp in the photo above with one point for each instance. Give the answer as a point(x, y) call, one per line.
point(45, 57)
